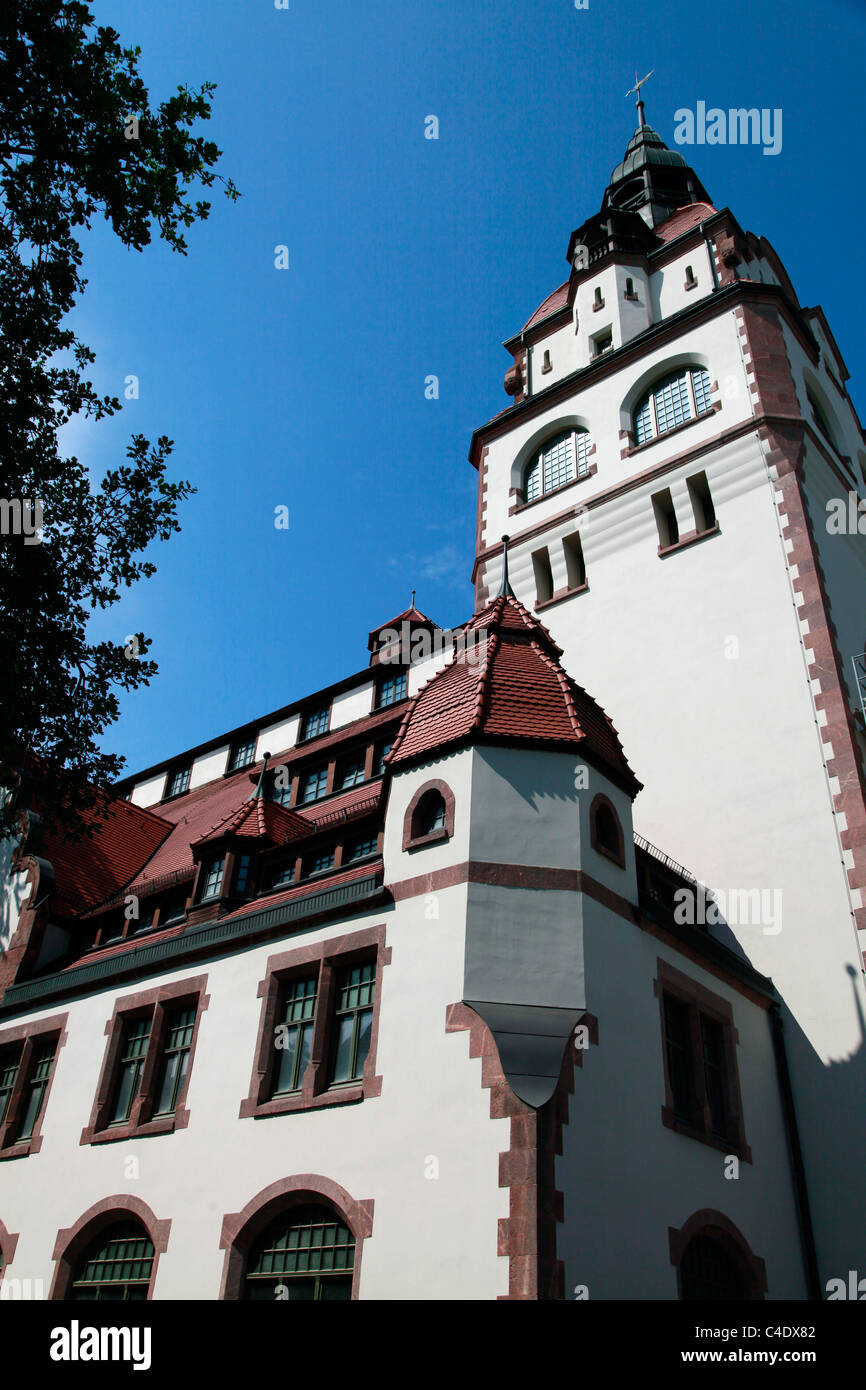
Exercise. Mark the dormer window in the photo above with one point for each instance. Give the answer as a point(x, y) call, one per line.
point(350, 772)
point(362, 849)
point(382, 753)
point(316, 722)
point(178, 781)
point(243, 753)
point(682, 396)
point(212, 878)
point(320, 862)
point(559, 461)
point(390, 690)
point(242, 874)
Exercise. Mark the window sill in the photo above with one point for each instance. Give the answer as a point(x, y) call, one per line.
point(689, 1131)
point(677, 429)
point(617, 859)
point(554, 492)
point(22, 1149)
point(560, 595)
point(343, 1094)
point(436, 837)
point(690, 538)
point(164, 1124)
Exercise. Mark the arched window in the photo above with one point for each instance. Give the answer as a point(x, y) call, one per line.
point(681, 396)
point(306, 1253)
point(605, 830)
point(708, 1271)
point(117, 1265)
point(820, 417)
point(429, 814)
point(559, 461)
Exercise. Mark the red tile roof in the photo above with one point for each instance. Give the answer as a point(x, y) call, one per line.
point(113, 853)
point(683, 220)
point(259, 820)
point(557, 300)
point(515, 691)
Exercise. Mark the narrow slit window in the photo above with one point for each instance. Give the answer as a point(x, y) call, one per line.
point(574, 562)
point(294, 1037)
point(666, 518)
point(543, 575)
point(702, 502)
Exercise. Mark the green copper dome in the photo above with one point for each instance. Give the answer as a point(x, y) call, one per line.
point(646, 146)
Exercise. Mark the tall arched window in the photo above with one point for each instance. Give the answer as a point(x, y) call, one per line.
point(306, 1253)
point(429, 814)
point(681, 396)
point(709, 1272)
point(559, 461)
point(115, 1266)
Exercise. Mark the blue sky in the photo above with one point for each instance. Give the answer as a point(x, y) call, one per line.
point(408, 257)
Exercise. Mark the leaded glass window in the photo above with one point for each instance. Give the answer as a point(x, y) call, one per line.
point(136, 1034)
point(354, 1021)
point(116, 1266)
point(559, 461)
point(681, 396)
point(294, 1036)
point(307, 1254)
point(179, 1030)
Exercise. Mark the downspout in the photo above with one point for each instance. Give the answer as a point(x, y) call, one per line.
point(795, 1153)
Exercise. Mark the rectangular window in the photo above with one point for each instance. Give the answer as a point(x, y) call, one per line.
point(392, 689)
point(281, 874)
point(361, 849)
point(679, 1049)
point(702, 502)
point(543, 575)
point(666, 518)
point(353, 1018)
point(242, 874)
point(175, 1059)
point(313, 785)
point(381, 754)
point(318, 863)
point(602, 343)
point(350, 772)
point(643, 423)
point(243, 753)
point(281, 790)
point(213, 879)
point(178, 781)
point(702, 1088)
point(173, 911)
point(294, 1040)
point(316, 722)
point(9, 1062)
point(136, 1033)
point(574, 564)
point(37, 1084)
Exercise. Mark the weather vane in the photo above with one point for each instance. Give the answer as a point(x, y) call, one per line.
point(636, 89)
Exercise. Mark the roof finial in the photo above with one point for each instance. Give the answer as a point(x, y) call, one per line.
point(636, 88)
point(412, 604)
point(259, 792)
point(505, 589)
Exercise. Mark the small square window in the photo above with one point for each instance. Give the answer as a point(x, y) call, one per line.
point(363, 848)
point(318, 863)
point(316, 722)
point(178, 781)
point(281, 873)
point(243, 753)
point(602, 344)
point(392, 689)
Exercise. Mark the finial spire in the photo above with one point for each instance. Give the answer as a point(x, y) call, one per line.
point(259, 792)
point(505, 589)
point(636, 89)
point(412, 604)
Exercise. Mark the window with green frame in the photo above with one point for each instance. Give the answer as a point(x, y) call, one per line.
point(294, 1034)
point(10, 1060)
point(116, 1266)
point(306, 1254)
point(180, 1025)
point(133, 1050)
point(37, 1084)
point(353, 1019)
